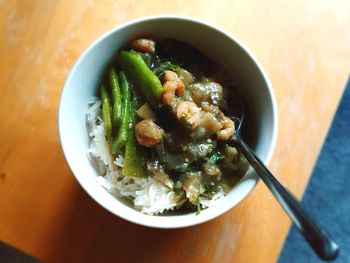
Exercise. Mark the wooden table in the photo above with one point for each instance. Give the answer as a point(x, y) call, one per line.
point(303, 45)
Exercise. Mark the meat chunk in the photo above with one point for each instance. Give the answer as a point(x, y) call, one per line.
point(207, 91)
point(148, 133)
point(143, 45)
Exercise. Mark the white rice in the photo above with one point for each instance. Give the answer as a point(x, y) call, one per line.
point(150, 195)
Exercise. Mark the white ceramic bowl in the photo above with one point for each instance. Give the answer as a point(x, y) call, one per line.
point(82, 84)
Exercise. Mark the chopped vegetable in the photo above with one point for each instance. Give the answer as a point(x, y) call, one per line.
point(192, 184)
point(185, 76)
point(116, 99)
point(122, 136)
point(211, 169)
point(159, 71)
point(200, 149)
point(134, 158)
point(231, 157)
point(198, 205)
point(106, 113)
point(145, 112)
point(172, 161)
point(145, 80)
point(234, 160)
point(157, 171)
point(215, 157)
point(210, 190)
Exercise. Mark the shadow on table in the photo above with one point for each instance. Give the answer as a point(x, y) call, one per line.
point(89, 233)
point(12, 255)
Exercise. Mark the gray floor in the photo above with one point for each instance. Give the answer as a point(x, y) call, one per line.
point(327, 196)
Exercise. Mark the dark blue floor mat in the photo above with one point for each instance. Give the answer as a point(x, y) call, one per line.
point(327, 196)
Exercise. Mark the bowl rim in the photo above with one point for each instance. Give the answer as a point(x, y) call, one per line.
point(156, 221)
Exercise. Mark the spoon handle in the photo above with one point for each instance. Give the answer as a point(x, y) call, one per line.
point(317, 238)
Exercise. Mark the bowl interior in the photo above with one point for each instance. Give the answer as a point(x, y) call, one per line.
point(82, 84)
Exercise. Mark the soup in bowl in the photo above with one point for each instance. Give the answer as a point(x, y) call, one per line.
point(146, 120)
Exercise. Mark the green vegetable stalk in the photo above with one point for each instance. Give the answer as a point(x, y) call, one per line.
point(106, 113)
point(134, 158)
point(145, 80)
point(116, 99)
point(122, 135)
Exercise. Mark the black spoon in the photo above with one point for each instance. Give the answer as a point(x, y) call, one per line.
point(318, 239)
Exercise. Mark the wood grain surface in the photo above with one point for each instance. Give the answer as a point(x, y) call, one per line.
point(303, 45)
